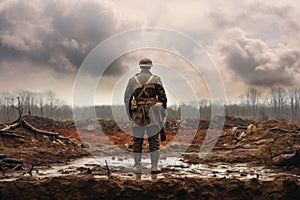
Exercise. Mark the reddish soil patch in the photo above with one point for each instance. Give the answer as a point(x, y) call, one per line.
point(38, 149)
point(71, 133)
point(236, 145)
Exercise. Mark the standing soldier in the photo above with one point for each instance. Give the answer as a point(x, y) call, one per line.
point(145, 100)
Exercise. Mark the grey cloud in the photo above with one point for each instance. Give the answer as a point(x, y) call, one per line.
point(55, 36)
point(117, 68)
point(57, 33)
point(270, 21)
point(255, 63)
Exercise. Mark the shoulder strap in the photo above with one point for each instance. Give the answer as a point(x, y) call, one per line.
point(144, 86)
point(137, 81)
point(149, 80)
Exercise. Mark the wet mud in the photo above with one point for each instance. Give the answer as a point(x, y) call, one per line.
point(240, 166)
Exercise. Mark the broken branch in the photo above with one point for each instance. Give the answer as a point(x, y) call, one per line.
point(11, 134)
point(49, 133)
point(228, 148)
point(30, 170)
point(283, 130)
point(8, 127)
point(108, 171)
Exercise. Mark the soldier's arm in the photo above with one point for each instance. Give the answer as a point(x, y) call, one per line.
point(160, 91)
point(128, 96)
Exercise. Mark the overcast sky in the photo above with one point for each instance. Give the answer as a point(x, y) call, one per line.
point(44, 42)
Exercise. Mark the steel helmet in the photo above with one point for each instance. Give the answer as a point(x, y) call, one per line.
point(145, 63)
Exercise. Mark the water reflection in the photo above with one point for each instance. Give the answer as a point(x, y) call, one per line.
point(171, 167)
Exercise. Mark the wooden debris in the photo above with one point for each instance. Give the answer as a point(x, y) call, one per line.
point(48, 133)
point(17, 167)
point(283, 130)
point(30, 170)
point(9, 127)
point(287, 159)
point(108, 171)
point(251, 129)
point(228, 148)
point(243, 127)
point(11, 134)
point(226, 135)
point(6, 132)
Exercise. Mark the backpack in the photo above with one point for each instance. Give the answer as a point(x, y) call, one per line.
point(140, 113)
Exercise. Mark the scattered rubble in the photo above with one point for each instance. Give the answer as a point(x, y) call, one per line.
point(40, 142)
point(10, 163)
point(256, 143)
point(288, 159)
point(32, 143)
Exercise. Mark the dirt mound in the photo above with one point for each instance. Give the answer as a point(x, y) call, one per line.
point(228, 122)
point(265, 140)
point(235, 121)
point(257, 144)
point(48, 124)
point(41, 122)
point(39, 149)
point(277, 124)
point(72, 187)
point(107, 124)
point(40, 145)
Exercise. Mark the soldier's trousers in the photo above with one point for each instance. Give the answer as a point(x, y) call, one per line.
point(138, 138)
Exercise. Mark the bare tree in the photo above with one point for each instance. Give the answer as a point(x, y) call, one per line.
point(279, 101)
point(248, 102)
point(2, 106)
point(294, 102)
point(40, 102)
point(31, 100)
point(8, 102)
point(297, 103)
point(27, 99)
point(58, 105)
point(20, 102)
point(50, 97)
point(19, 108)
point(252, 97)
point(22, 94)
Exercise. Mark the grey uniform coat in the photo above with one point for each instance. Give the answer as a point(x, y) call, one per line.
point(154, 90)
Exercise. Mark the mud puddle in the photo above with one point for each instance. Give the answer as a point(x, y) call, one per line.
point(171, 167)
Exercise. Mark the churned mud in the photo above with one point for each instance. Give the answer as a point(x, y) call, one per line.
point(81, 165)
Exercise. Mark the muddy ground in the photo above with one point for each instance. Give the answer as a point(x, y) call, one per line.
point(73, 187)
point(238, 167)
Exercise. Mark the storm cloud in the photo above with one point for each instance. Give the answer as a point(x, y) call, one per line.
point(253, 43)
point(253, 61)
point(58, 33)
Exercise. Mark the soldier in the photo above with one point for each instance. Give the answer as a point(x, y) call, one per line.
point(145, 100)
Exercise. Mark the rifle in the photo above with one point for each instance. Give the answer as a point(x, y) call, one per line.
point(163, 136)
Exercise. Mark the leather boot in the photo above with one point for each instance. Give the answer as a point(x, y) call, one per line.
point(137, 168)
point(154, 162)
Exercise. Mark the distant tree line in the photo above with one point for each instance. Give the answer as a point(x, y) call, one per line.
point(279, 103)
point(44, 104)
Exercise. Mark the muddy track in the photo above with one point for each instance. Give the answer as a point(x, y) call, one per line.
point(73, 187)
point(244, 153)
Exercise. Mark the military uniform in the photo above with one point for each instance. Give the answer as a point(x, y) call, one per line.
point(146, 117)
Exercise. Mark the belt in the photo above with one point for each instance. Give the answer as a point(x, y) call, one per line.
point(146, 101)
